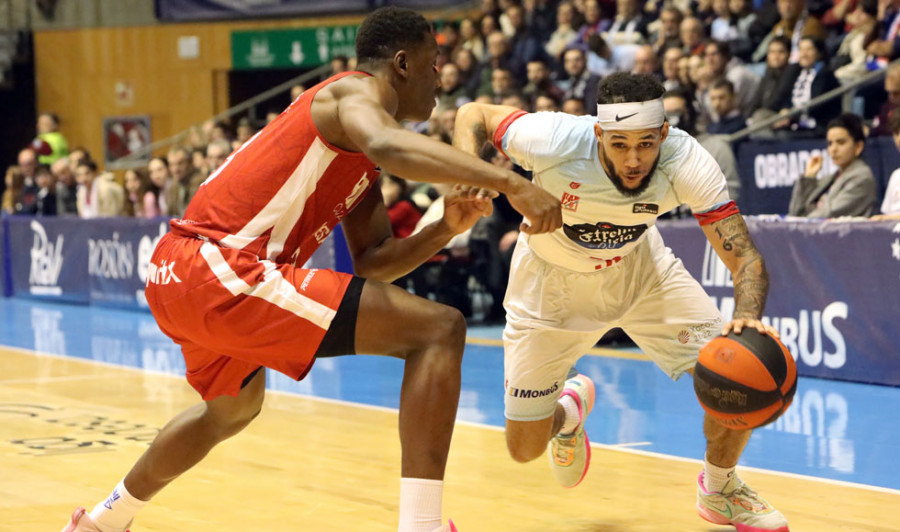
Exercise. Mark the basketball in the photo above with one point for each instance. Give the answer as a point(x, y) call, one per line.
point(745, 380)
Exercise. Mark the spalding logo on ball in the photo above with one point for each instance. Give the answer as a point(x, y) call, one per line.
point(746, 380)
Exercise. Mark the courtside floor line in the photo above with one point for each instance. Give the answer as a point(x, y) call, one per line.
point(624, 448)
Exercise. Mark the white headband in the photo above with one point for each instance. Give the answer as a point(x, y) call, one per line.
point(631, 115)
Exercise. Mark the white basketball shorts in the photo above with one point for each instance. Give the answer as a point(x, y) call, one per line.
point(555, 315)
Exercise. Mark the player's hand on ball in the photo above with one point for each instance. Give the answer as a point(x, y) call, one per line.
point(737, 325)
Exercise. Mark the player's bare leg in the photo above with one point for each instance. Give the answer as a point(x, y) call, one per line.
point(181, 444)
point(430, 338)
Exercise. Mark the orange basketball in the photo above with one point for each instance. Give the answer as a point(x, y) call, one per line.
point(745, 380)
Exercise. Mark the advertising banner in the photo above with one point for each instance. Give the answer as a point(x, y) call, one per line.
point(184, 10)
point(48, 258)
point(768, 169)
point(5, 281)
point(833, 292)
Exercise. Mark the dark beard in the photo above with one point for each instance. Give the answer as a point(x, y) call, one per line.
point(617, 181)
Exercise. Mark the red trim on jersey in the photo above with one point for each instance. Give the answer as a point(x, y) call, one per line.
point(501, 130)
point(706, 218)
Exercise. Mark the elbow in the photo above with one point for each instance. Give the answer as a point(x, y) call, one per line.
point(383, 149)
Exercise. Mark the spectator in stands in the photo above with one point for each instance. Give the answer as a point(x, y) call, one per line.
point(681, 113)
point(629, 26)
point(76, 155)
point(27, 161)
point(468, 69)
point(244, 130)
point(142, 194)
point(499, 56)
point(271, 115)
point(890, 206)
point(765, 99)
point(48, 132)
point(667, 35)
point(671, 58)
point(807, 79)
point(198, 159)
point(540, 16)
point(453, 92)
point(539, 82)
point(727, 118)
point(545, 102)
point(892, 89)
point(851, 190)
point(565, 31)
point(158, 168)
point(45, 199)
point(99, 195)
point(524, 45)
point(724, 26)
point(449, 36)
point(66, 188)
point(579, 84)
point(502, 84)
point(402, 211)
point(471, 39)
point(296, 91)
point(574, 106)
point(15, 182)
point(721, 63)
point(851, 61)
point(742, 46)
point(888, 46)
point(185, 176)
point(795, 23)
point(595, 23)
point(684, 73)
point(339, 64)
point(216, 153)
point(692, 36)
point(646, 61)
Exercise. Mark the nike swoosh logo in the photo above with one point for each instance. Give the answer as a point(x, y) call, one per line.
point(620, 118)
point(724, 510)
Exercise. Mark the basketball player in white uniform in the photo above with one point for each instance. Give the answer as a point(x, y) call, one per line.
point(608, 267)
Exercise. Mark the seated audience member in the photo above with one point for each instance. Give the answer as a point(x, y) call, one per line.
point(721, 63)
point(99, 195)
point(574, 106)
point(49, 134)
point(765, 99)
point(680, 113)
point(726, 118)
point(470, 39)
point(692, 36)
point(745, 16)
point(539, 82)
point(142, 195)
point(595, 23)
point(804, 81)
point(15, 182)
point(796, 23)
point(45, 199)
point(546, 102)
point(629, 26)
point(76, 155)
point(671, 57)
point(646, 61)
point(666, 36)
point(402, 212)
point(579, 84)
point(565, 31)
point(851, 190)
point(851, 59)
point(892, 88)
point(66, 188)
point(453, 91)
point(890, 207)
point(724, 26)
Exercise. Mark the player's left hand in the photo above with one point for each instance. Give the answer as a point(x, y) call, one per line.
point(737, 325)
point(464, 205)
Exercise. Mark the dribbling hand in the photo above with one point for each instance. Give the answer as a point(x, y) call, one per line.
point(737, 325)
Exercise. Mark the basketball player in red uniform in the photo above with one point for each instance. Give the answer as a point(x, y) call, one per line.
point(227, 282)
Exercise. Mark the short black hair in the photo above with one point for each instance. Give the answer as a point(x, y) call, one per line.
point(387, 30)
point(852, 123)
point(622, 87)
point(722, 47)
point(820, 46)
point(722, 83)
point(783, 40)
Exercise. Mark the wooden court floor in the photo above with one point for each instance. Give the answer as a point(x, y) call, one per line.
point(70, 429)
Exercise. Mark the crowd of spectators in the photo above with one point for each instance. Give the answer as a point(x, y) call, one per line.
point(726, 65)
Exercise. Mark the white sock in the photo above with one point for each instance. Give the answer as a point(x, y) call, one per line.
point(117, 511)
point(572, 418)
point(715, 477)
point(420, 504)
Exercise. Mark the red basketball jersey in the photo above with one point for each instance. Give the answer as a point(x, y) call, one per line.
point(280, 194)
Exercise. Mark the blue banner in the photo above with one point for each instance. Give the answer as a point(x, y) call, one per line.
point(834, 291)
point(102, 261)
point(48, 258)
point(768, 169)
point(184, 10)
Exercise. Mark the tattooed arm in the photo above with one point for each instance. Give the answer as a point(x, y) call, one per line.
point(476, 123)
point(731, 240)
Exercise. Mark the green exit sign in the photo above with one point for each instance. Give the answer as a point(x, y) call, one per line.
point(291, 48)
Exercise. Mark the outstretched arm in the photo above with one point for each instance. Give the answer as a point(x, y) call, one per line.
point(407, 154)
point(731, 240)
point(476, 124)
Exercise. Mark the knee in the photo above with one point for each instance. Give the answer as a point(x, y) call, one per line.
point(450, 330)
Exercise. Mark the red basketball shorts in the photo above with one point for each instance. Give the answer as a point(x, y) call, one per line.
point(232, 312)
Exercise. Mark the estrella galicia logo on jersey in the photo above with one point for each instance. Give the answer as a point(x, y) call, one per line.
point(646, 208)
point(532, 394)
point(570, 201)
point(603, 235)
